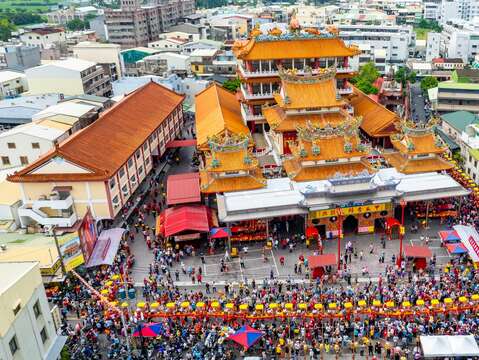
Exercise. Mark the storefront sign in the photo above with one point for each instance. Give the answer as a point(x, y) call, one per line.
point(50, 271)
point(353, 210)
point(71, 250)
point(187, 237)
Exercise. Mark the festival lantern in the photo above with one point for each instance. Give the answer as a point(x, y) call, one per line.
point(185, 305)
point(406, 304)
point(141, 305)
point(170, 305)
point(230, 306)
point(348, 305)
point(124, 304)
point(273, 306)
point(376, 303)
point(215, 305)
point(302, 306)
point(332, 306)
point(109, 283)
point(390, 304)
point(154, 305)
point(243, 307)
point(475, 297)
point(463, 299)
point(434, 302)
point(318, 306)
point(288, 306)
point(115, 277)
point(362, 303)
point(448, 301)
point(104, 292)
point(259, 307)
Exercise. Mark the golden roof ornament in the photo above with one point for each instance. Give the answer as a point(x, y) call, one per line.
point(275, 31)
point(294, 23)
point(256, 31)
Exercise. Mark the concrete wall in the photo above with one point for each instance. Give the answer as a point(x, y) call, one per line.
point(53, 79)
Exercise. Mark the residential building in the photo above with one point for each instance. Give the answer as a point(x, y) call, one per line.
point(205, 62)
point(136, 25)
point(229, 27)
point(432, 11)
point(460, 39)
point(130, 58)
point(27, 329)
point(433, 47)
point(12, 84)
point(202, 44)
point(43, 37)
point(106, 55)
point(387, 45)
point(458, 9)
point(470, 150)
point(20, 110)
point(453, 124)
point(69, 77)
point(103, 165)
point(62, 16)
point(75, 37)
point(447, 64)
point(97, 24)
point(459, 93)
point(24, 144)
point(19, 57)
point(166, 62)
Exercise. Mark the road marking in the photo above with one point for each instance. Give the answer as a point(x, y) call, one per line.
point(236, 271)
point(274, 261)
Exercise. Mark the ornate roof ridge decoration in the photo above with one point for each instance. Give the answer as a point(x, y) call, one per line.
point(293, 35)
point(364, 174)
point(322, 75)
point(228, 143)
point(275, 31)
point(256, 31)
point(311, 132)
point(410, 128)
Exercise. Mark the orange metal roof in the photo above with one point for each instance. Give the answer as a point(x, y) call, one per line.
point(413, 166)
point(298, 173)
point(217, 111)
point(210, 185)
point(424, 144)
point(377, 120)
point(231, 161)
point(314, 95)
point(107, 144)
point(300, 48)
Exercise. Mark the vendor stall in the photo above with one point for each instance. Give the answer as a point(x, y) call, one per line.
point(456, 249)
point(449, 346)
point(318, 263)
point(251, 230)
point(419, 254)
point(449, 236)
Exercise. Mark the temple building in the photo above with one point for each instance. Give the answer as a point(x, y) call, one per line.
point(261, 57)
point(418, 149)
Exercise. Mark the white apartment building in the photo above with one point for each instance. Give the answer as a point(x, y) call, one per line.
point(458, 9)
point(432, 11)
point(44, 38)
point(12, 83)
point(470, 150)
point(433, 48)
point(174, 62)
point(69, 77)
point(385, 45)
point(101, 53)
point(170, 44)
point(460, 39)
point(27, 329)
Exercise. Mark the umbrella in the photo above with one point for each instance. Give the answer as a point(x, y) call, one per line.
point(449, 235)
point(217, 233)
point(149, 330)
point(457, 248)
point(246, 336)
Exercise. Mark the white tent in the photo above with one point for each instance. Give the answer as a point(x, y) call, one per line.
point(442, 346)
point(470, 239)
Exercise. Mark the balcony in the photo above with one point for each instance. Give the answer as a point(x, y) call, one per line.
point(248, 96)
point(248, 116)
point(96, 72)
point(272, 73)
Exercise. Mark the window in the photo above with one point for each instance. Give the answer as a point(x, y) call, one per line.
point(137, 154)
point(44, 335)
point(23, 160)
point(35, 145)
point(36, 309)
point(145, 146)
point(147, 161)
point(115, 200)
point(13, 345)
point(140, 170)
point(130, 162)
point(11, 145)
point(124, 189)
point(5, 160)
point(133, 179)
point(112, 183)
point(121, 172)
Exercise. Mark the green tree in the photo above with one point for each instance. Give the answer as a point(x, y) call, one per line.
point(403, 75)
point(428, 82)
point(77, 24)
point(366, 87)
point(364, 80)
point(6, 28)
point(232, 84)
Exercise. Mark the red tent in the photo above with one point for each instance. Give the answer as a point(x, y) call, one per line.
point(419, 254)
point(186, 218)
point(311, 231)
point(183, 189)
point(317, 263)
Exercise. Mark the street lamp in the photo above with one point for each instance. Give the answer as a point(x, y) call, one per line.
point(401, 231)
